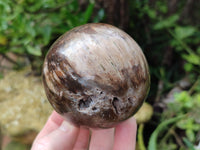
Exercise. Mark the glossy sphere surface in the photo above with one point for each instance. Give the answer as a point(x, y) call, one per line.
point(96, 75)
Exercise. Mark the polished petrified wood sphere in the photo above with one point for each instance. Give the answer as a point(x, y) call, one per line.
point(96, 76)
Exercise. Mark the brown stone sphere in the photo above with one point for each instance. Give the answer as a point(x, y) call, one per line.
point(96, 75)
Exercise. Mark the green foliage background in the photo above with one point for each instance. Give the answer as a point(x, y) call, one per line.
point(170, 40)
point(28, 27)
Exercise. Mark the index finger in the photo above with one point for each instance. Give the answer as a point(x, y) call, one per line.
point(54, 121)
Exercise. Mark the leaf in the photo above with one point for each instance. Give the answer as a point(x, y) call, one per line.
point(150, 12)
point(182, 97)
point(3, 40)
point(47, 34)
point(184, 32)
point(185, 123)
point(5, 6)
point(1, 76)
point(189, 144)
point(87, 14)
point(198, 50)
point(33, 50)
point(190, 134)
point(3, 49)
point(188, 67)
point(192, 58)
point(35, 6)
point(168, 22)
point(30, 30)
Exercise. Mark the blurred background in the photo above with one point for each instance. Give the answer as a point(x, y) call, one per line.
point(168, 33)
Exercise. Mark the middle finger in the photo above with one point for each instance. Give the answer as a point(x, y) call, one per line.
point(102, 139)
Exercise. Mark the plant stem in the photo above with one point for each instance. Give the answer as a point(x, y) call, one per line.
point(194, 85)
point(178, 140)
point(159, 91)
point(1, 138)
point(140, 137)
point(9, 59)
point(167, 135)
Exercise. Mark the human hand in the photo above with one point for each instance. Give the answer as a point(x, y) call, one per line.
point(58, 134)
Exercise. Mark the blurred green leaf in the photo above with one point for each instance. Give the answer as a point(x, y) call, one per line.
point(151, 12)
point(192, 58)
point(1, 76)
point(198, 50)
point(166, 23)
point(28, 25)
point(3, 40)
point(35, 7)
point(188, 67)
point(47, 34)
point(87, 14)
point(162, 6)
point(34, 50)
point(16, 146)
point(190, 135)
point(184, 98)
point(5, 6)
point(189, 144)
point(184, 32)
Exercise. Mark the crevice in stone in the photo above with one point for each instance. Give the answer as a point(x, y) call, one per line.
point(115, 103)
point(84, 103)
point(94, 108)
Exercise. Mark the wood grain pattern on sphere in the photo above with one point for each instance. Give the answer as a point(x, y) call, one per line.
point(96, 75)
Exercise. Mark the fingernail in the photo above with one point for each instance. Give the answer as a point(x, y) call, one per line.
point(65, 126)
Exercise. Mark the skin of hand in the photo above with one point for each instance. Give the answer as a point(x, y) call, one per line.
point(58, 134)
